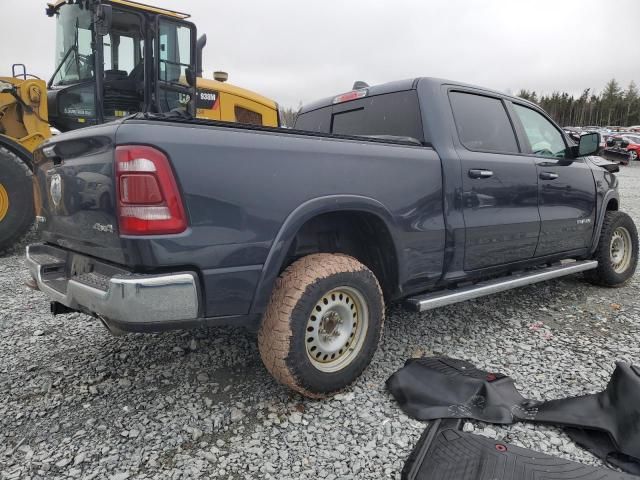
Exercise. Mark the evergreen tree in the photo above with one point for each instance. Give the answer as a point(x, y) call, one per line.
point(614, 106)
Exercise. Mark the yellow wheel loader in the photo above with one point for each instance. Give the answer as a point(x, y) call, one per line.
point(113, 58)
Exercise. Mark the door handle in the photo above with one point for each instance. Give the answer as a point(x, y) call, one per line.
point(548, 175)
point(480, 173)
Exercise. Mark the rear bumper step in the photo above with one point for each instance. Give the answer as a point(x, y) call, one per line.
point(111, 293)
point(447, 297)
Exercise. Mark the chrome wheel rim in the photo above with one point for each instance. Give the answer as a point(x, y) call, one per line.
point(336, 329)
point(621, 249)
point(633, 155)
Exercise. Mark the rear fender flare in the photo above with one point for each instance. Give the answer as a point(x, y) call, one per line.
point(293, 223)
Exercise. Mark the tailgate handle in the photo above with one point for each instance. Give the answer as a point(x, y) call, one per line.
point(480, 173)
point(548, 175)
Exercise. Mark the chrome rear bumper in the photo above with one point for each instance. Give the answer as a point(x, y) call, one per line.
point(113, 294)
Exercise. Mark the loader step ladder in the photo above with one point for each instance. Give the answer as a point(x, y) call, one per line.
point(441, 298)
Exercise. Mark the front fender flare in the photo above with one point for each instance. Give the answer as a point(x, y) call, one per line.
point(608, 196)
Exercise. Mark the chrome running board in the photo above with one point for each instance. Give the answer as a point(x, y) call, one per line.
point(447, 297)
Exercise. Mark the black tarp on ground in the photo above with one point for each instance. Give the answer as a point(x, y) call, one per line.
point(445, 453)
point(605, 423)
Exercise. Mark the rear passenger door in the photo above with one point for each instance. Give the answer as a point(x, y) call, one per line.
point(499, 185)
point(566, 193)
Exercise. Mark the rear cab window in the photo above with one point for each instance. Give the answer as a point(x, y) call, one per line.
point(482, 123)
point(394, 114)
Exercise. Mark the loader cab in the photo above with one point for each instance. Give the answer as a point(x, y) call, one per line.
point(117, 57)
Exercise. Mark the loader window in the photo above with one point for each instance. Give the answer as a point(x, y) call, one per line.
point(123, 66)
point(176, 57)
point(74, 54)
point(175, 52)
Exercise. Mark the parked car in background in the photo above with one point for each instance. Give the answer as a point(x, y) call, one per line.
point(626, 147)
point(573, 132)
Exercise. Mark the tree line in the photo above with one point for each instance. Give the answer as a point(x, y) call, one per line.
point(614, 106)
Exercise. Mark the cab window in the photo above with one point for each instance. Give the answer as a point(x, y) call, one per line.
point(175, 52)
point(482, 123)
point(545, 139)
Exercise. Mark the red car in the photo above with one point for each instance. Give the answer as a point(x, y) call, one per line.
point(627, 145)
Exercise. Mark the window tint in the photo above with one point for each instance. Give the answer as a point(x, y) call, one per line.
point(545, 139)
point(315, 120)
point(244, 115)
point(394, 114)
point(482, 123)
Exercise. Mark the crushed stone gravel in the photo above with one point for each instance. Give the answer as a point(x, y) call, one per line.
point(76, 402)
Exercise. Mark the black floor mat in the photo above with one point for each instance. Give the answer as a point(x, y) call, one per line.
point(444, 452)
point(605, 423)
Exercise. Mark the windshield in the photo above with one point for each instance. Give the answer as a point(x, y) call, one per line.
point(74, 58)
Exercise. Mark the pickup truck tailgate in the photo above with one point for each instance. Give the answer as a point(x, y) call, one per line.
point(75, 193)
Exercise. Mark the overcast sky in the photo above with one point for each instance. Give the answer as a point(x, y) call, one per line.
point(301, 50)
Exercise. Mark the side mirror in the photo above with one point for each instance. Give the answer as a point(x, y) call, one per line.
point(103, 18)
point(589, 144)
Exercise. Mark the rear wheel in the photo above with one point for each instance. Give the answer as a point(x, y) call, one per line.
point(322, 325)
point(633, 155)
point(16, 199)
point(617, 251)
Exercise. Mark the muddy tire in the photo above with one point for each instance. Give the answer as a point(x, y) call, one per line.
point(617, 251)
point(322, 325)
point(16, 200)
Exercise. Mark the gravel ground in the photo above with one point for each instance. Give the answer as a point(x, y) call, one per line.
point(76, 402)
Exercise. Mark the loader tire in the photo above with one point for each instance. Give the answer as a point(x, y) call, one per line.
point(322, 325)
point(16, 200)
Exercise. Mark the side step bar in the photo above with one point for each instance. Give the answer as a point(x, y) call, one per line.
point(447, 297)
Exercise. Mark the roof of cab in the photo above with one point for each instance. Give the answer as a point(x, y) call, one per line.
point(134, 5)
point(225, 87)
point(402, 85)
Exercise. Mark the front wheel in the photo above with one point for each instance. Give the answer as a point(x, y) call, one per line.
point(322, 325)
point(633, 155)
point(617, 251)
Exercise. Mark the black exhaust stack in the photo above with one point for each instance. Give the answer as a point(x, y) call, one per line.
point(202, 41)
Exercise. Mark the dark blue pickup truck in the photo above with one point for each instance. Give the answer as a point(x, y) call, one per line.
point(426, 191)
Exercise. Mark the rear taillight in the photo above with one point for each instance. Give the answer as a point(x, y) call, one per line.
point(148, 197)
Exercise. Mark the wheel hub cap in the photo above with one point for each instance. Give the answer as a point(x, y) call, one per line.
point(620, 251)
point(336, 329)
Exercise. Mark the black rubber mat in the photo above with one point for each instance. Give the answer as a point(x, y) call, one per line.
point(606, 423)
point(444, 452)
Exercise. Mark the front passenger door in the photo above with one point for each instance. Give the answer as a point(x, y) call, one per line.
point(566, 186)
